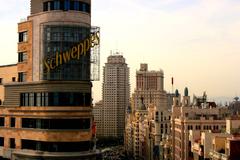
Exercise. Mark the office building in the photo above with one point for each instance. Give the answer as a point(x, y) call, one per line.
point(149, 85)
point(46, 110)
point(115, 96)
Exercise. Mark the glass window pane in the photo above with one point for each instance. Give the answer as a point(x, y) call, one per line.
point(56, 5)
point(66, 5)
point(76, 5)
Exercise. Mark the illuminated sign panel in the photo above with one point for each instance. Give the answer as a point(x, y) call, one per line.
point(82, 48)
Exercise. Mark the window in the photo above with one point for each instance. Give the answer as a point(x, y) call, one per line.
point(51, 3)
point(45, 6)
point(76, 5)
point(55, 99)
point(57, 5)
point(22, 56)
point(24, 99)
point(13, 79)
point(21, 77)
point(66, 124)
point(72, 5)
point(56, 146)
point(84, 7)
point(22, 36)
point(1, 141)
point(66, 5)
point(12, 143)
point(2, 121)
point(12, 123)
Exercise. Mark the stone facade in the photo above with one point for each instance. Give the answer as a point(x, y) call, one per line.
point(8, 74)
point(198, 116)
point(46, 119)
point(146, 126)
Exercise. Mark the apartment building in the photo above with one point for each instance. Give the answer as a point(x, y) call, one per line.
point(149, 119)
point(200, 115)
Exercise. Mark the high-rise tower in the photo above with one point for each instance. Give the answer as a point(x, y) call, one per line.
point(47, 114)
point(116, 92)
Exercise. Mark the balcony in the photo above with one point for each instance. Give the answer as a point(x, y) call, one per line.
point(217, 155)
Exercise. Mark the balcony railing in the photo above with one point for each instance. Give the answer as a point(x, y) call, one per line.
point(217, 155)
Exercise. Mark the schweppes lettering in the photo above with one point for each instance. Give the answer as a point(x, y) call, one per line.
point(81, 49)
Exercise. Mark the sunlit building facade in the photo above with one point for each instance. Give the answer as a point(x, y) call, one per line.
point(193, 117)
point(46, 110)
point(149, 119)
point(116, 93)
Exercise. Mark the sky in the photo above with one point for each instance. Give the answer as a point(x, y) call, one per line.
point(196, 42)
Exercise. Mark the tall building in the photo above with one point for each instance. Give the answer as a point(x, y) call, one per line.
point(197, 117)
point(47, 106)
point(116, 93)
point(149, 85)
point(146, 125)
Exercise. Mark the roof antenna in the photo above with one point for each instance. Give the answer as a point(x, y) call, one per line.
point(116, 43)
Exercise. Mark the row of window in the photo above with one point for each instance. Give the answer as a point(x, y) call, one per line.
point(12, 122)
point(49, 146)
point(205, 127)
point(65, 124)
point(13, 80)
point(56, 146)
point(55, 99)
point(66, 5)
point(11, 142)
point(21, 77)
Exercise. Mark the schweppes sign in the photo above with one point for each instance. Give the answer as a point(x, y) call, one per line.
point(74, 53)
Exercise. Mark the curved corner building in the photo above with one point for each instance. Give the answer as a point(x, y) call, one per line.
point(47, 114)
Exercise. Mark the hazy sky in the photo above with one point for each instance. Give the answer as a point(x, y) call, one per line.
point(195, 41)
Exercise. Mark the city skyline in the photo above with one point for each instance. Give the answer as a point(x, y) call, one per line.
point(196, 43)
